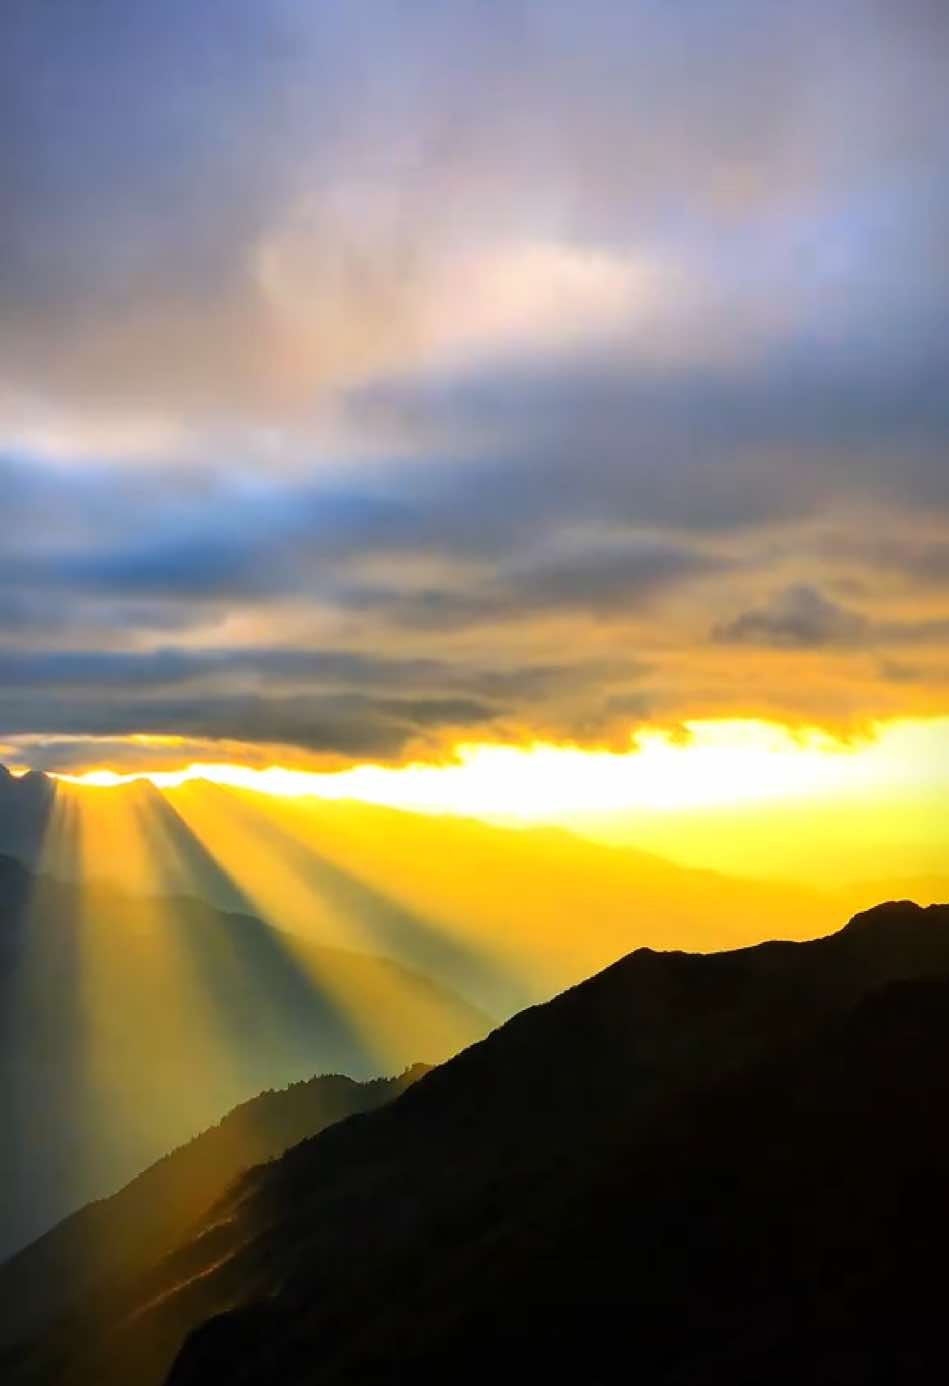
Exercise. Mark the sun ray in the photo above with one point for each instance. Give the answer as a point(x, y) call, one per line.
point(280, 886)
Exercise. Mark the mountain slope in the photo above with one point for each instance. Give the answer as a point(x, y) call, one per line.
point(129, 1024)
point(120, 1236)
point(704, 1161)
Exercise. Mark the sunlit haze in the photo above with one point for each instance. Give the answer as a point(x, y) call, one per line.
point(709, 764)
point(659, 793)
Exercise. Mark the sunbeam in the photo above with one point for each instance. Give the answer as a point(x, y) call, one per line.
point(134, 1013)
point(287, 887)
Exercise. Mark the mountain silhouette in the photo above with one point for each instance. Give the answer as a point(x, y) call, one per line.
point(25, 804)
point(706, 1168)
point(128, 1024)
point(120, 1236)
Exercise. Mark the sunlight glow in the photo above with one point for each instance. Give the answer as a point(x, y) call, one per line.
point(712, 763)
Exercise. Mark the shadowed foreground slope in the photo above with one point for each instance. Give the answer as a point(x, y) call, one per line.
point(118, 1237)
point(726, 1168)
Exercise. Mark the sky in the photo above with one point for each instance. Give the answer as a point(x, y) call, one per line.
point(382, 379)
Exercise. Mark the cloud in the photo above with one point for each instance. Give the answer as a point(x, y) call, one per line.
point(917, 558)
point(388, 373)
point(600, 574)
point(802, 617)
point(496, 557)
point(337, 703)
point(303, 198)
point(275, 611)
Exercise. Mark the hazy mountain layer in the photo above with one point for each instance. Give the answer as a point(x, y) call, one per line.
point(505, 917)
point(128, 1024)
point(724, 1168)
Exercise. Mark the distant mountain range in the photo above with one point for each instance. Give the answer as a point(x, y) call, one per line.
point(123, 1236)
point(504, 917)
point(694, 1169)
point(231, 942)
point(128, 1024)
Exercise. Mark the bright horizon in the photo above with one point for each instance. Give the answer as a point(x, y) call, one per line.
point(709, 794)
point(706, 763)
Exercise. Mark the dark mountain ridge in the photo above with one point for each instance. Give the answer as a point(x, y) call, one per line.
point(724, 1167)
point(118, 1237)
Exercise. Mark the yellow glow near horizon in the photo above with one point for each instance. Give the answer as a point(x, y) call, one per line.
point(714, 764)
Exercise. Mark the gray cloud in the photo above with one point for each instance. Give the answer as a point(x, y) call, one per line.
point(292, 187)
point(339, 703)
point(802, 617)
point(501, 559)
point(917, 558)
point(424, 343)
point(604, 576)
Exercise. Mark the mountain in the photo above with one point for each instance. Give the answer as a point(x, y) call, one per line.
point(121, 1236)
point(25, 805)
point(706, 1168)
point(505, 917)
point(129, 1023)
